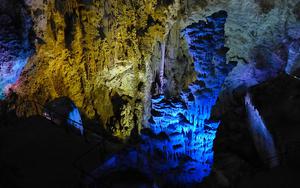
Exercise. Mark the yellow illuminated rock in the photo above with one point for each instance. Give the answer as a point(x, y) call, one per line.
point(105, 54)
point(92, 52)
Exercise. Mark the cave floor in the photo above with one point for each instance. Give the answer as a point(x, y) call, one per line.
point(36, 153)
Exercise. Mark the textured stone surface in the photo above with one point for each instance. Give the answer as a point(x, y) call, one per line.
point(15, 25)
point(177, 147)
point(96, 53)
point(111, 57)
point(106, 55)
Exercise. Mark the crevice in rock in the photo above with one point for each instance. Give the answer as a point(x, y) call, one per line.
point(70, 20)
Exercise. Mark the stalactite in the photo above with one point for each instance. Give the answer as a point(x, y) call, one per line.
point(184, 120)
point(162, 67)
point(293, 64)
point(262, 137)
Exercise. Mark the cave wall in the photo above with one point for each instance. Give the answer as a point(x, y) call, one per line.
point(96, 53)
point(107, 55)
point(15, 45)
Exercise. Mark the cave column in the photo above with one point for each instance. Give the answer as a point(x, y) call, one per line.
point(162, 67)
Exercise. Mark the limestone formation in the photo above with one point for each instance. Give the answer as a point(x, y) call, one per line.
point(160, 69)
point(177, 147)
point(97, 51)
point(15, 44)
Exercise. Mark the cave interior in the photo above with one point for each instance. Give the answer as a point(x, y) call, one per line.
point(149, 94)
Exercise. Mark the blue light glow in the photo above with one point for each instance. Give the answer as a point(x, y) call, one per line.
point(184, 121)
point(75, 119)
point(178, 143)
point(14, 52)
point(10, 72)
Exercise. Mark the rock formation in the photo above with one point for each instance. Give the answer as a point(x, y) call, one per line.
point(93, 46)
point(155, 64)
point(15, 47)
point(106, 55)
point(177, 146)
point(97, 53)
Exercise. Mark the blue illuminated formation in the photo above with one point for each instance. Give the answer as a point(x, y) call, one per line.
point(183, 132)
point(178, 144)
point(14, 50)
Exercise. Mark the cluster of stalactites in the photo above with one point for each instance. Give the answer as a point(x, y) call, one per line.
point(178, 143)
point(181, 127)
